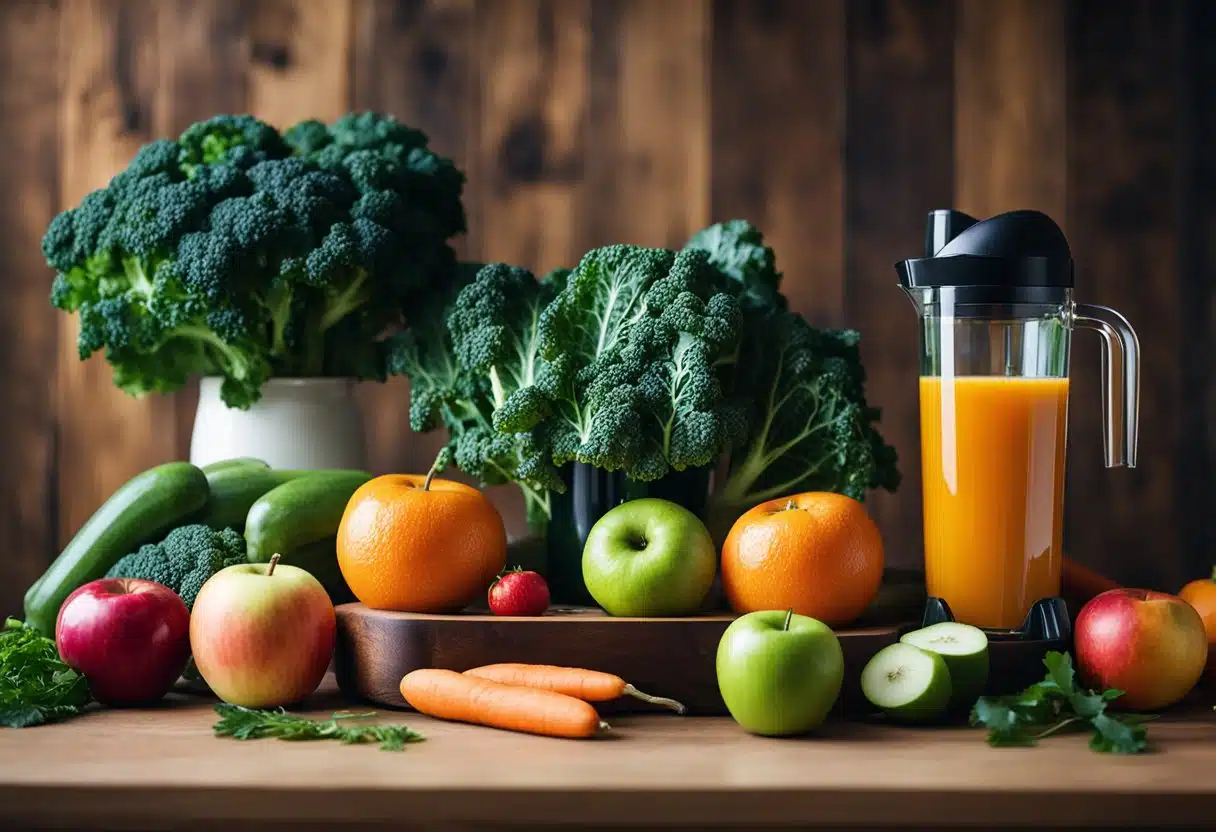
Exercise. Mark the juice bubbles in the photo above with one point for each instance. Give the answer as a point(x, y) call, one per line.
point(993, 465)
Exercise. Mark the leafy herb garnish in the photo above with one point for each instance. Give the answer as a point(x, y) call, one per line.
point(250, 724)
point(1057, 705)
point(36, 687)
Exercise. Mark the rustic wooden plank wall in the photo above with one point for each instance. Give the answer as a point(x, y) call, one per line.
point(833, 124)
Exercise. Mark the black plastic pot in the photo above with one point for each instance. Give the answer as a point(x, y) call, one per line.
point(590, 494)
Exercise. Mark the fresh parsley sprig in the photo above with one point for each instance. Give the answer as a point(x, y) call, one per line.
point(1056, 705)
point(36, 687)
point(250, 724)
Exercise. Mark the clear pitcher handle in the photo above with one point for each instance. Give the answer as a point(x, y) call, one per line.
point(1120, 383)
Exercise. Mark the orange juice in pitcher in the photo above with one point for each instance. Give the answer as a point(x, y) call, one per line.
point(996, 315)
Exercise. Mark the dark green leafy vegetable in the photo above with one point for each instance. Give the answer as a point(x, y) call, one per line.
point(1057, 705)
point(801, 390)
point(250, 724)
point(36, 687)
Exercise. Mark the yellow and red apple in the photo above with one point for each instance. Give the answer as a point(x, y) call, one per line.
point(1150, 645)
point(262, 633)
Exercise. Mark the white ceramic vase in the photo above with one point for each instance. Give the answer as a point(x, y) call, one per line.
point(298, 423)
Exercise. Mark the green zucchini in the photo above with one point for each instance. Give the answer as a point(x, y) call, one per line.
point(234, 489)
point(299, 512)
point(142, 511)
point(235, 462)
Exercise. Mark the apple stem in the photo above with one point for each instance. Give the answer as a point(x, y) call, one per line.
point(1214, 573)
point(274, 561)
point(790, 505)
point(630, 690)
point(789, 614)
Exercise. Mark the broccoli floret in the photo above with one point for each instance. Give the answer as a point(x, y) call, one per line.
point(239, 140)
point(184, 560)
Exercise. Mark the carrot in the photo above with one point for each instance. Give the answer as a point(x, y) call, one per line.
point(588, 685)
point(1082, 583)
point(446, 694)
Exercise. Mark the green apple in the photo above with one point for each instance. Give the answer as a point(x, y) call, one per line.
point(649, 557)
point(779, 673)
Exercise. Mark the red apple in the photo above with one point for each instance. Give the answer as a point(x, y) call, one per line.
point(1150, 645)
point(130, 638)
point(262, 633)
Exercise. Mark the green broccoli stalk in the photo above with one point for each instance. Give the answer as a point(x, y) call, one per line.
point(184, 560)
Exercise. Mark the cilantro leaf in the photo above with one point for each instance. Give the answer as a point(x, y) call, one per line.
point(1059, 671)
point(1057, 705)
point(1117, 736)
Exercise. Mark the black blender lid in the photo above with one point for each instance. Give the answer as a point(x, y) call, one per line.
point(1015, 250)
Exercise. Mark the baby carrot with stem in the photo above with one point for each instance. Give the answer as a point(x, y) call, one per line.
point(446, 694)
point(588, 685)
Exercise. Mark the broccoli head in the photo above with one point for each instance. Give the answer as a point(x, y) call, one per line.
point(237, 252)
point(184, 560)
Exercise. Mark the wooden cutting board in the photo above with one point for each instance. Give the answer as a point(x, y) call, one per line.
point(671, 657)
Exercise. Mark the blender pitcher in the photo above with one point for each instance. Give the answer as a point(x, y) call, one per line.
point(996, 317)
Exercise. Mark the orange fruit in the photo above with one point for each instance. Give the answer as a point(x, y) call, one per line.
point(1201, 594)
point(817, 553)
point(413, 549)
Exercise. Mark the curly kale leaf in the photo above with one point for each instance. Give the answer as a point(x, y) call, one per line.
point(811, 427)
point(494, 326)
point(746, 266)
point(627, 379)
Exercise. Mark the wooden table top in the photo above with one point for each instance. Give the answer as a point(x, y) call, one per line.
point(147, 768)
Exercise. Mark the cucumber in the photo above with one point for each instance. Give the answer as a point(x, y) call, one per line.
point(299, 512)
point(234, 489)
point(235, 462)
point(142, 511)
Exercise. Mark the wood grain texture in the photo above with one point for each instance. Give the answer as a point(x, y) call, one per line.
point(155, 769)
point(1010, 127)
point(1123, 197)
point(28, 96)
point(648, 147)
point(1196, 466)
point(586, 122)
point(111, 68)
point(778, 102)
point(899, 166)
point(672, 657)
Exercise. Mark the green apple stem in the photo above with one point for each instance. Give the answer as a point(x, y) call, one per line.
point(274, 561)
point(630, 690)
point(789, 614)
point(1214, 573)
